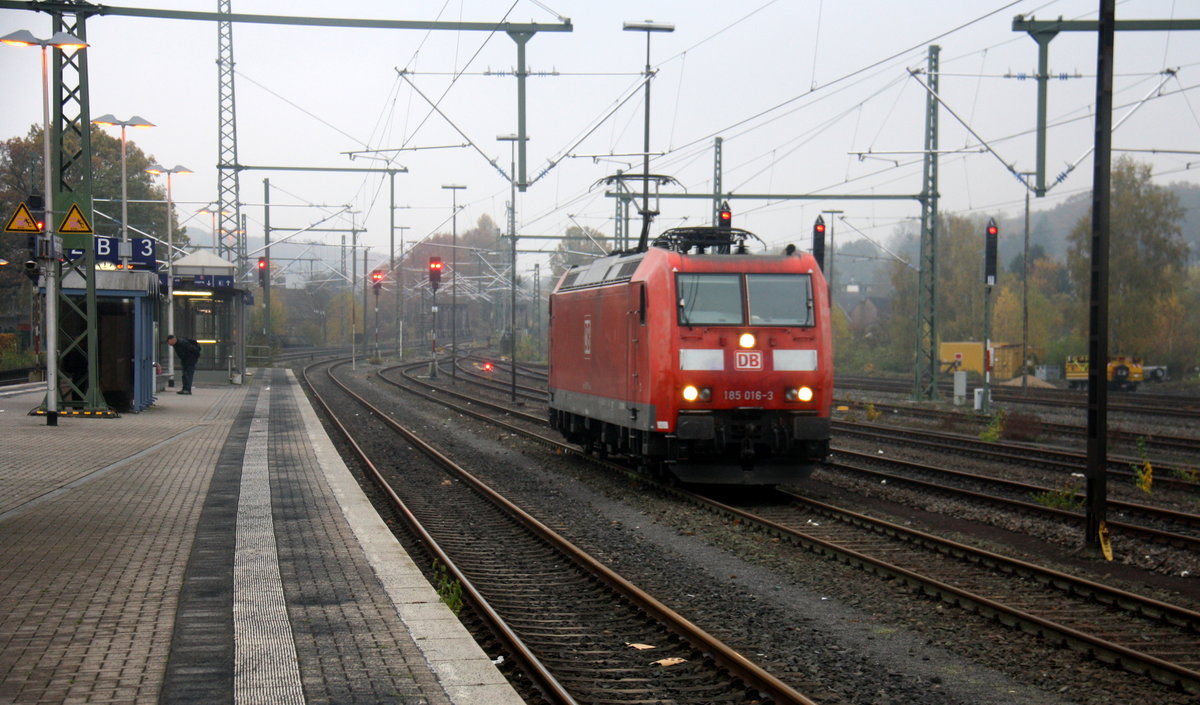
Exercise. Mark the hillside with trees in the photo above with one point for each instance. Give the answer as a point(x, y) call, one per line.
point(1154, 289)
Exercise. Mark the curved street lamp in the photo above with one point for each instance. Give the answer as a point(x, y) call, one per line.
point(157, 169)
point(107, 120)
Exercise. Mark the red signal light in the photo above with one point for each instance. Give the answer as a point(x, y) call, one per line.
point(724, 216)
point(435, 272)
point(992, 232)
point(262, 263)
point(487, 367)
point(377, 276)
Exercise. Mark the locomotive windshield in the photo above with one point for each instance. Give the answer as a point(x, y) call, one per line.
point(710, 299)
point(772, 299)
point(780, 299)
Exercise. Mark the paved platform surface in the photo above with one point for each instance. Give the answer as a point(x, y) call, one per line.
point(211, 549)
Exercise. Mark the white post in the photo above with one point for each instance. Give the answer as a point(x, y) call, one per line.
point(51, 272)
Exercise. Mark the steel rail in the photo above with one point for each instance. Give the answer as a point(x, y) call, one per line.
point(1157, 535)
point(1057, 458)
point(1163, 671)
point(538, 673)
point(743, 668)
point(1157, 442)
point(1135, 402)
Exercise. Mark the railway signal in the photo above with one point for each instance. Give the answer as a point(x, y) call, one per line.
point(724, 216)
point(818, 242)
point(377, 281)
point(37, 211)
point(991, 235)
point(435, 272)
point(263, 272)
point(37, 208)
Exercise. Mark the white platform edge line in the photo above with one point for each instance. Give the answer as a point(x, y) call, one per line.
point(266, 668)
point(404, 583)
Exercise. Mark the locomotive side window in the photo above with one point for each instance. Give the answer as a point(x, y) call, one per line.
point(780, 299)
point(709, 299)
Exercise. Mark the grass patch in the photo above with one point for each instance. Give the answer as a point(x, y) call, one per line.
point(1065, 496)
point(449, 591)
point(995, 428)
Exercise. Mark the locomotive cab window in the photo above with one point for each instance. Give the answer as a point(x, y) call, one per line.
point(709, 299)
point(780, 299)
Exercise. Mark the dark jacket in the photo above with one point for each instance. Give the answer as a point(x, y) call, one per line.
point(188, 350)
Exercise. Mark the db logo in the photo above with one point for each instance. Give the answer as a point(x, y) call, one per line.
point(747, 360)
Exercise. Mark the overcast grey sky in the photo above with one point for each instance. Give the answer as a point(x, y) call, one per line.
point(797, 89)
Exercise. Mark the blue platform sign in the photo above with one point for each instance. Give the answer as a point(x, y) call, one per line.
point(199, 281)
point(107, 251)
point(213, 281)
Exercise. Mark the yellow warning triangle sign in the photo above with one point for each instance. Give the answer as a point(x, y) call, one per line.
point(22, 221)
point(75, 223)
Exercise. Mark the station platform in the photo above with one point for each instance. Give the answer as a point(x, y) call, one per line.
point(211, 549)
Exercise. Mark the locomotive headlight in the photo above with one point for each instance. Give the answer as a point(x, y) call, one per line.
point(693, 393)
point(799, 394)
point(747, 341)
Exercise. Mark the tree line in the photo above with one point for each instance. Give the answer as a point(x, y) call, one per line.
point(1153, 291)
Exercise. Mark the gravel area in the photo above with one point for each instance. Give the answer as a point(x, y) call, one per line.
point(836, 633)
point(1173, 570)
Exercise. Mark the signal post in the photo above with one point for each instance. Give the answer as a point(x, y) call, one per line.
point(435, 278)
point(991, 235)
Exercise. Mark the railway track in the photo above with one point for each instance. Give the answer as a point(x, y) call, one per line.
point(1139, 634)
point(577, 628)
point(1176, 477)
point(1182, 446)
point(1135, 402)
point(1163, 526)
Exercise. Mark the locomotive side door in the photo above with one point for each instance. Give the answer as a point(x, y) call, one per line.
point(636, 328)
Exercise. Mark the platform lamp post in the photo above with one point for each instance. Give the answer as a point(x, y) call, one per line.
point(214, 209)
point(512, 235)
point(108, 120)
point(454, 189)
point(157, 170)
point(648, 27)
point(64, 42)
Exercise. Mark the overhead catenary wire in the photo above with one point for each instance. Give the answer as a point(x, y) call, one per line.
point(683, 157)
point(844, 77)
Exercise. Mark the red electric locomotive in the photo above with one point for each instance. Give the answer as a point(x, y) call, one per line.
point(696, 357)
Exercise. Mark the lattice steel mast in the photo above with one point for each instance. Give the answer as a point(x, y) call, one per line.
point(925, 377)
point(229, 215)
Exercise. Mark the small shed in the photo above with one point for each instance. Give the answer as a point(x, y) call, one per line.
point(210, 308)
point(126, 303)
